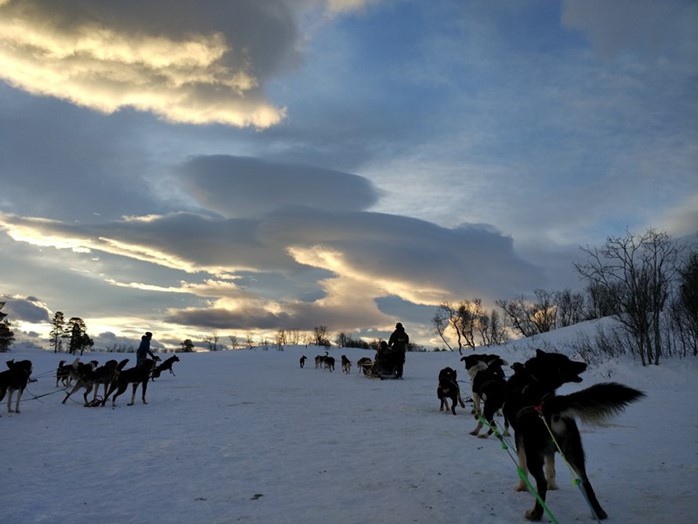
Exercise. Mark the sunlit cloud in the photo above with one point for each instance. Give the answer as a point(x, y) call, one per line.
point(196, 79)
point(347, 6)
point(48, 233)
point(145, 287)
point(339, 263)
point(33, 231)
point(142, 252)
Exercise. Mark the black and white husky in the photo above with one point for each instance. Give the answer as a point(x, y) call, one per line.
point(537, 415)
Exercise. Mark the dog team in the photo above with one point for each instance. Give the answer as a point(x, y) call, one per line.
point(112, 376)
point(90, 376)
point(543, 422)
point(327, 362)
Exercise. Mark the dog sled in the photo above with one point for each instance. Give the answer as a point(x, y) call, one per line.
point(381, 375)
point(386, 366)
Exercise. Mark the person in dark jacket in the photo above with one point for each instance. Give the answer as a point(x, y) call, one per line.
point(144, 349)
point(398, 342)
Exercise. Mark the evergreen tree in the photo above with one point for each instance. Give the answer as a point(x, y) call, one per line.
point(79, 339)
point(7, 337)
point(58, 331)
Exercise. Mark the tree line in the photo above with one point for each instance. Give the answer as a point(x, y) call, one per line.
point(648, 282)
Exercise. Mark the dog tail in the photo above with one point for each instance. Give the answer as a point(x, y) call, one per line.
point(595, 404)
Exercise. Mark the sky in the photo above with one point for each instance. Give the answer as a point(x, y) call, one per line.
point(285, 445)
point(237, 168)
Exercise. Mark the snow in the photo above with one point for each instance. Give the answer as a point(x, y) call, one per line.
point(248, 436)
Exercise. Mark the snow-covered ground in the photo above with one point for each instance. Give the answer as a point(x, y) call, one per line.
point(248, 436)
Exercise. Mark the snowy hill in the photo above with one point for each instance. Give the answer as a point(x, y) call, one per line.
point(249, 436)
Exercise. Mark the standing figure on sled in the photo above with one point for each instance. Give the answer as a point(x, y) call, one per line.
point(390, 356)
point(398, 344)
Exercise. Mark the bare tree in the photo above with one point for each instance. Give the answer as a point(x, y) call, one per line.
point(320, 336)
point(570, 307)
point(637, 271)
point(341, 339)
point(543, 312)
point(234, 341)
point(518, 315)
point(531, 317)
point(470, 323)
point(441, 323)
point(685, 305)
point(445, 319)
point(294, 337)
point(602, 300)
point(280, 338)
point(491, 330)
point(212, 342)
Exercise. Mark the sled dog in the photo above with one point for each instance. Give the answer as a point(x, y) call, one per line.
point(165, 366)
point(14, 379)
point(531, 405)
point(448, 389)
point(135, 376)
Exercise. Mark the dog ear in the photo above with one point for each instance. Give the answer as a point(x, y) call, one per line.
point(540, 352)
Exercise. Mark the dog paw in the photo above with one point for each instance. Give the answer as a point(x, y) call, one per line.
point(534, 515)
point(521, 486)
point(484, 435)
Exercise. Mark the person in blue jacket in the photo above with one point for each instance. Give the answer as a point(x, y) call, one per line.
point(144, 349)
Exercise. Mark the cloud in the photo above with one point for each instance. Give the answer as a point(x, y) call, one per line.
point(244, 187)
point(28, 309)
point(683, 219)
point(628, 25)
point(93, 59)
point(181, 241)
point(351, 258)
point(346, 6)
point(189, 62)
